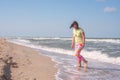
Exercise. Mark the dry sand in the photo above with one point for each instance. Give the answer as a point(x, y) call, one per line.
point(23, 63)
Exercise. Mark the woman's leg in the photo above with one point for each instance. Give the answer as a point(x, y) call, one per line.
point(81, 58)
point(78, 57)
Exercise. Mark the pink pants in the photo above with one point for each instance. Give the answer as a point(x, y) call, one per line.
point(78, 48)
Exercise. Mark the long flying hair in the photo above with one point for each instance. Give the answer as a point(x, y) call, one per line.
point(74, 23)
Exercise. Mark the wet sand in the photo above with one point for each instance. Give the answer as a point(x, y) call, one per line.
point(23, 63)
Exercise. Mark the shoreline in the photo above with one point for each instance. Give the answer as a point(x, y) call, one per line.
point(23, 63)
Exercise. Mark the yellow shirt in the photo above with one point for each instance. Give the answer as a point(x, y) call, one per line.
point(77, 33)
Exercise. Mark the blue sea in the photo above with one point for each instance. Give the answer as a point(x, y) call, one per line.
point(103, 57)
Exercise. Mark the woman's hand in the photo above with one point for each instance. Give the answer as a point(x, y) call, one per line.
point(83, 45)
point(72, 46)
point(83, 39)
point(73, 42)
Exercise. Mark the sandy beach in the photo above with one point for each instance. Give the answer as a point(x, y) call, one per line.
point(23, 63)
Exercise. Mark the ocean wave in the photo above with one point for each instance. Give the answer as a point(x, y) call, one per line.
point(96, 55)
point(60, 38)
point(104, 40)
point(91, 40)
point(56, 38)
point(19, 40)
point(44, 38)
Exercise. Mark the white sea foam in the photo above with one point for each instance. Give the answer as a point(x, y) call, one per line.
point(45, 38)
point(96, 55)
point(104, 40)
point(92, 40)
point(20, 41)
point(56, 38)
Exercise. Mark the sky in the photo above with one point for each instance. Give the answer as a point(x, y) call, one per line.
point(52, 18)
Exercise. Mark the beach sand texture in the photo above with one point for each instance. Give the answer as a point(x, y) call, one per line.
point(23, 63)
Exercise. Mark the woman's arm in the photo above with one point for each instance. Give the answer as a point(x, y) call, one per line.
point(73, 42)
point(83, 38)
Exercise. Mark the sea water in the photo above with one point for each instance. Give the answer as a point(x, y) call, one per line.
point(103, 57)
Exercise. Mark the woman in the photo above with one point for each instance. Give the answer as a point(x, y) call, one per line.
point(78, 41)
